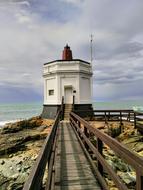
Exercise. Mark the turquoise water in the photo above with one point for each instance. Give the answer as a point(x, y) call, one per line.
point(118, 104)
point(10, 112)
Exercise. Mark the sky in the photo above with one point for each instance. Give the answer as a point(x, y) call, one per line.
point(33, 32)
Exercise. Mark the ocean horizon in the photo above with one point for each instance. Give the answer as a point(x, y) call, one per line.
point(19, 111)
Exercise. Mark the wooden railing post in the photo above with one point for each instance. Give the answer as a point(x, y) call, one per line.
point(79, 127)
point(105, 118)
point(139, 181)
point(87, 135)
point(121, 123)
point(109, 116)
point(62, 109)
point(36, 175)
point(73, 103)
point(135, 123)
point(129, 115)
point(101, 138)
point(100, 149)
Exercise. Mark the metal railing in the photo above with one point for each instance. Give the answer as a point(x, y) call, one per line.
point(45, 159)
point(83, 129)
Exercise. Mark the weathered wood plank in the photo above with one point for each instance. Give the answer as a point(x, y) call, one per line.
point(77, 187)
point(72, 168)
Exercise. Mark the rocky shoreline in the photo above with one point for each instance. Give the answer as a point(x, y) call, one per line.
point(20, 143)
point(132, 139)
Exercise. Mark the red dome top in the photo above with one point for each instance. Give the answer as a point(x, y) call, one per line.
point(67, 53)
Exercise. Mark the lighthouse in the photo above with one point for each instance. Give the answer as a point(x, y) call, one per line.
point(69, 78)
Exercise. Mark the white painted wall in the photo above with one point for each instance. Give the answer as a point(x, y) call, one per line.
point(50, 84)
point(74, 74)
point(69, 66)
point(85, 89)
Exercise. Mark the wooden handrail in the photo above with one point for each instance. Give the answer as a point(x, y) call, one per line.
point(109, 110)
point(119, 115)
point(45, 156)
point(62, 108)
point(131, 158)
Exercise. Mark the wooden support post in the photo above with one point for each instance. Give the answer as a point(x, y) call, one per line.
point(129, 116)
point(87, 135)
point(109, 116)
point(120, 118)
point(79, 127)
point(121, 123)
point(100, 149)
point(135, 124)
point(139, 181)
point(105, 118)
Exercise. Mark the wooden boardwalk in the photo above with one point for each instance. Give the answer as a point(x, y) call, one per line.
point(69, 165)
point(72, 168)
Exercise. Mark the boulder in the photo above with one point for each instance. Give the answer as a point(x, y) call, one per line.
point(2, 162)
point(128, 177)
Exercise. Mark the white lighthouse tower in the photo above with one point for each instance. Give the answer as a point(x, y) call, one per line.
point(67, 78)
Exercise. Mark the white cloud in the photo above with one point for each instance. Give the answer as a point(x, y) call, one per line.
point(22, 18)
point(32, 36)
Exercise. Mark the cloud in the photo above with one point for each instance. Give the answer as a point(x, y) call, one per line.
point(33, 33)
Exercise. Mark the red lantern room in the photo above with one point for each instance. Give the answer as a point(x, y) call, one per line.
point(67, 53)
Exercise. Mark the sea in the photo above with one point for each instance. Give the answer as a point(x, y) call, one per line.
point(19, 111)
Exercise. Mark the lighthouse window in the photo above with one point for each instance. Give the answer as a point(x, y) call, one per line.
point(51, 92)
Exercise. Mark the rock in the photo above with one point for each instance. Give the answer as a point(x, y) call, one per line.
point(3, 182)
point(111, 164)
point(11, 168)
point(111, 152)
point(22, 178)
point(15, 176)
point(19, 169)
point(111, 184)
point(128, 178)
point(23, 170)
point(15, 186)
point(140, 153)
point(10, 156)
point(132, 140)
point(120, 165)
point(25, 158)
point(42, 127)
point(34, 157)
point(2, 162)
point(138, 147)
point(19, 162)
point(20, 143)
point(27, 167)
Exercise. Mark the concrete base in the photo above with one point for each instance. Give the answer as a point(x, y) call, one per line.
point(50, 111)
point(83, 110)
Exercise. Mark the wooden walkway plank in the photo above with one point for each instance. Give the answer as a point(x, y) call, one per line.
point(72, 168)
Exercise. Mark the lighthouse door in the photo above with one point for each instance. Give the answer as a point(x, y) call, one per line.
point(68, 95)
